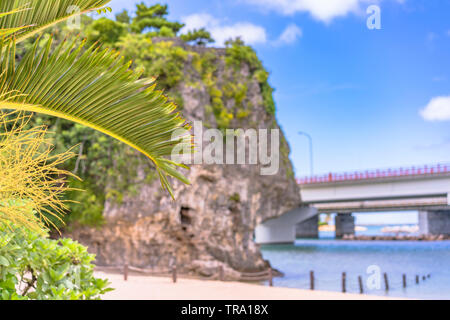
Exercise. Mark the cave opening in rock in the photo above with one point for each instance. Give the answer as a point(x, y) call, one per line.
point(185, 217)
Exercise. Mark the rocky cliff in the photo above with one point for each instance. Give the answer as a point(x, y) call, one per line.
point(212, 221)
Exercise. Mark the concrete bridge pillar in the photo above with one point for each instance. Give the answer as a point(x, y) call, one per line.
point(282, 229)
point(345, 224)
point(308, 228)
point(434, 222)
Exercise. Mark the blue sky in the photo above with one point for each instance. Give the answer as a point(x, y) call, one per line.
point(358, 92)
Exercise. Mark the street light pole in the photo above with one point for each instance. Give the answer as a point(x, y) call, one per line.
point(310, 150)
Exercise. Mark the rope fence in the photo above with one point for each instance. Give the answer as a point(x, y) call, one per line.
point(172, 271)
point(357, 283)
point(309, 281)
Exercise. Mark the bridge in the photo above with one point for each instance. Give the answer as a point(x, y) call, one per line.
point(424, 189)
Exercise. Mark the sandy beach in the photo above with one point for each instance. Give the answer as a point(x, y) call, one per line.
point(139, 287)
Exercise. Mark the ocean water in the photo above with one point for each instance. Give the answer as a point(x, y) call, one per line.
point(328, 258)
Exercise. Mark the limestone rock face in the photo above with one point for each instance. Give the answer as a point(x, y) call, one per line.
point(212, 221)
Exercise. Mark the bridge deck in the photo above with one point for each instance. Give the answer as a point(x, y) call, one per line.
point(437, 203)
point(416, 188)
point(438, 170)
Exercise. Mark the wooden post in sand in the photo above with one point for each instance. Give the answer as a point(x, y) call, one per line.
point(311, 280)
point(344, 276)
point(404, 280)
point(386, 282)
point(270, 277)
point(174, 273)
point(125, 271)
point(174, 270)
point(417, 279)
point(361, 288)
point(221, 274)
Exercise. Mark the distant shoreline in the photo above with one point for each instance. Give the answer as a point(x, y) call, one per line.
point(332, 228)
point(399, 237)
point(390, 233)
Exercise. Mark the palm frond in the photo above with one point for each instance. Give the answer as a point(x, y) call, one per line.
point(33, 16)
point(95, 88)
point(12, 11)
point(7, 32)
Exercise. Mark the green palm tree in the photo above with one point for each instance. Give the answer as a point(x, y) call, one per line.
point(89, 86)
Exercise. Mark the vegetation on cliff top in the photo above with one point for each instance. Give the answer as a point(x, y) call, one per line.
point(147, 39)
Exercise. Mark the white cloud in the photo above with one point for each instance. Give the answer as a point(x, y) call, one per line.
point(438, 109)
point(221, 32)
point(290, 35)
point(431, 36)
point(323, 10)
point(250, 33)
point(439, 79)
point(199, 20)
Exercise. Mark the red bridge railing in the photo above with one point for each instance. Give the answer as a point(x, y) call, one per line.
point(376, 174)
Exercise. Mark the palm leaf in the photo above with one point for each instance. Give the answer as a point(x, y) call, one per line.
point(6, 32)
point(12, 11)
point(38, 15)
point(95, 88)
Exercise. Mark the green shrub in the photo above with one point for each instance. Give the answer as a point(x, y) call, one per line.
point(123, 17)
point(235, 197)
point(214, 92)
point(153, 18)
point(238, 53)
point(198, 37)
point(242, 114)
point(261, 76)
point(162, 59)
point(267, 93)
point(33, 267)
point(105, 31)
point(166, 32)
point(240, 94)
